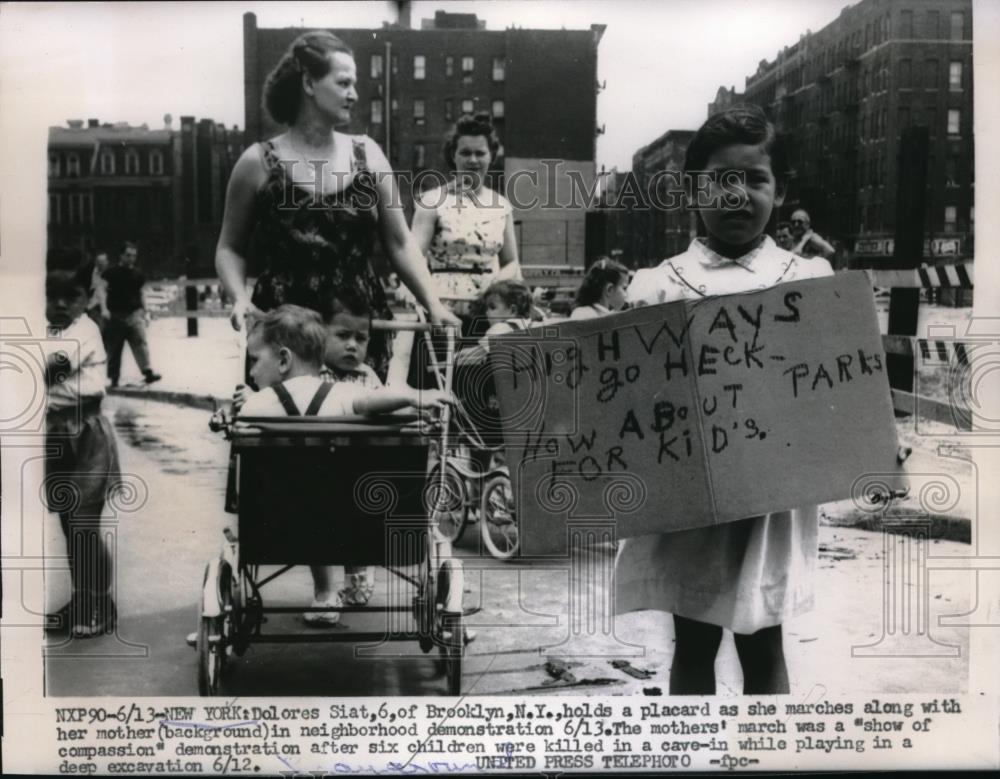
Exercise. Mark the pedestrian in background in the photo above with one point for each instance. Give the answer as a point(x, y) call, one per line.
point(127, 316)
point(807, 242)
point(92, 274)
point(783, 236)
point(602, 290)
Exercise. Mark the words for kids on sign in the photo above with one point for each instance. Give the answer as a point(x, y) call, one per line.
point(697, 412)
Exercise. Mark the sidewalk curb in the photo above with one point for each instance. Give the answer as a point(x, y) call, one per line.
point(189, 399)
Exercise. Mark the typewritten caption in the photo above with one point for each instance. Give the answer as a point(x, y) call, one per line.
point(395, 737)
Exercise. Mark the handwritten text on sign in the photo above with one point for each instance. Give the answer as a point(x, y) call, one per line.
point(694, 413)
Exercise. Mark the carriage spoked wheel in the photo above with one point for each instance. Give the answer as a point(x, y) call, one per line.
point(449, 630)
point(498, 522)
point(215, 634)
point(448, 501)
point(452, 649)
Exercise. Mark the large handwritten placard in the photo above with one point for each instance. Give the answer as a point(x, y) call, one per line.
point(694, 413)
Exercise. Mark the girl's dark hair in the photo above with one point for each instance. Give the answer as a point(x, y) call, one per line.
point(309, 53)
point(471, 124)
point(603, 272)
point(514, 294)
point(739, 124)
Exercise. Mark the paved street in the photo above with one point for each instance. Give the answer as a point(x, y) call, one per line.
point(163, 546)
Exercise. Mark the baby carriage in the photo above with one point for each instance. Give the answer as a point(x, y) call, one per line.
point(325, 491)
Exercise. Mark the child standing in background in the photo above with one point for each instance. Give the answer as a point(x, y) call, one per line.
point(602, 290)
point(83, 464)
point(751, 575)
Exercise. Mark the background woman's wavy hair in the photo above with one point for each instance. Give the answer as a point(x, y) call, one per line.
point(309, 53)
point(471, 124)
point(603, 272)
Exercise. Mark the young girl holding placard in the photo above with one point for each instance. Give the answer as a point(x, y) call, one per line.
point(751, 575)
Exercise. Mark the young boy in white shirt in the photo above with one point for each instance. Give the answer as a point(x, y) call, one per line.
point(82, 463)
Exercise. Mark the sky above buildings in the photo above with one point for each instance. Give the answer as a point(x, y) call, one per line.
point(662, 62)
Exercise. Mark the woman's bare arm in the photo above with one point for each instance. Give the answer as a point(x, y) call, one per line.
point(237, 225)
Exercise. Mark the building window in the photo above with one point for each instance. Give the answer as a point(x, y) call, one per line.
point(950, 219)
point(377, 66)
point(933, 25)
point(954, 121)
point(468, 64)
point(55, 209)
point(419, 67)
point(395, 65)
point(955, 76)
point(419, 111)
point(449, 66)
point(53, 165)
point(467, 106)
point(906, 24)
point(419, 156)
point(72, 165)
point(449, 110)
point(499, 69)
point(156, 162)
point(958, 26)
point(931, 77)
point(394, 107)
point(951, 172)
point(497, 109)
point(131, 162)
point(376, 116)
point(903, 118)
point(905, 74)
point(107, 163)
point(74, 210)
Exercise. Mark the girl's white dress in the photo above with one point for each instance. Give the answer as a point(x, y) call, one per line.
point(744, 575)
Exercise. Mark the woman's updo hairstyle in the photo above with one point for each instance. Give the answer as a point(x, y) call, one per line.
point(309, 53)
point(471, 124)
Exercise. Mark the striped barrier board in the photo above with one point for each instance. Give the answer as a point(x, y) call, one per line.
point(959, 276)
point(928, 408)
point(930, 350)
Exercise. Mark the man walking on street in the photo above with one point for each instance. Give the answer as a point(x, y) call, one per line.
point(807, 243)
point(127, 316)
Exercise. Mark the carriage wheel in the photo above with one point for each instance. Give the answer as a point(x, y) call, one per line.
point(448, 501)
point(211, 655)
point(497, 520)
point(452, 648)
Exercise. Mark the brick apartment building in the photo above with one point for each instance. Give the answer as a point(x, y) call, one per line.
point(878, 108)
point(161, 188)
point(540, 86)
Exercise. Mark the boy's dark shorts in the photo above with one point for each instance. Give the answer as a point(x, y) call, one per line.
point(82, 464)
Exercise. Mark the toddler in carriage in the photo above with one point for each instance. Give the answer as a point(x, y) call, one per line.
point(286, 349)
point(506, 307)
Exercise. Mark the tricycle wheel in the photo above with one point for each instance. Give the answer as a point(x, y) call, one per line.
point(452, 648)
point(448, 501)
point(497, 519)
